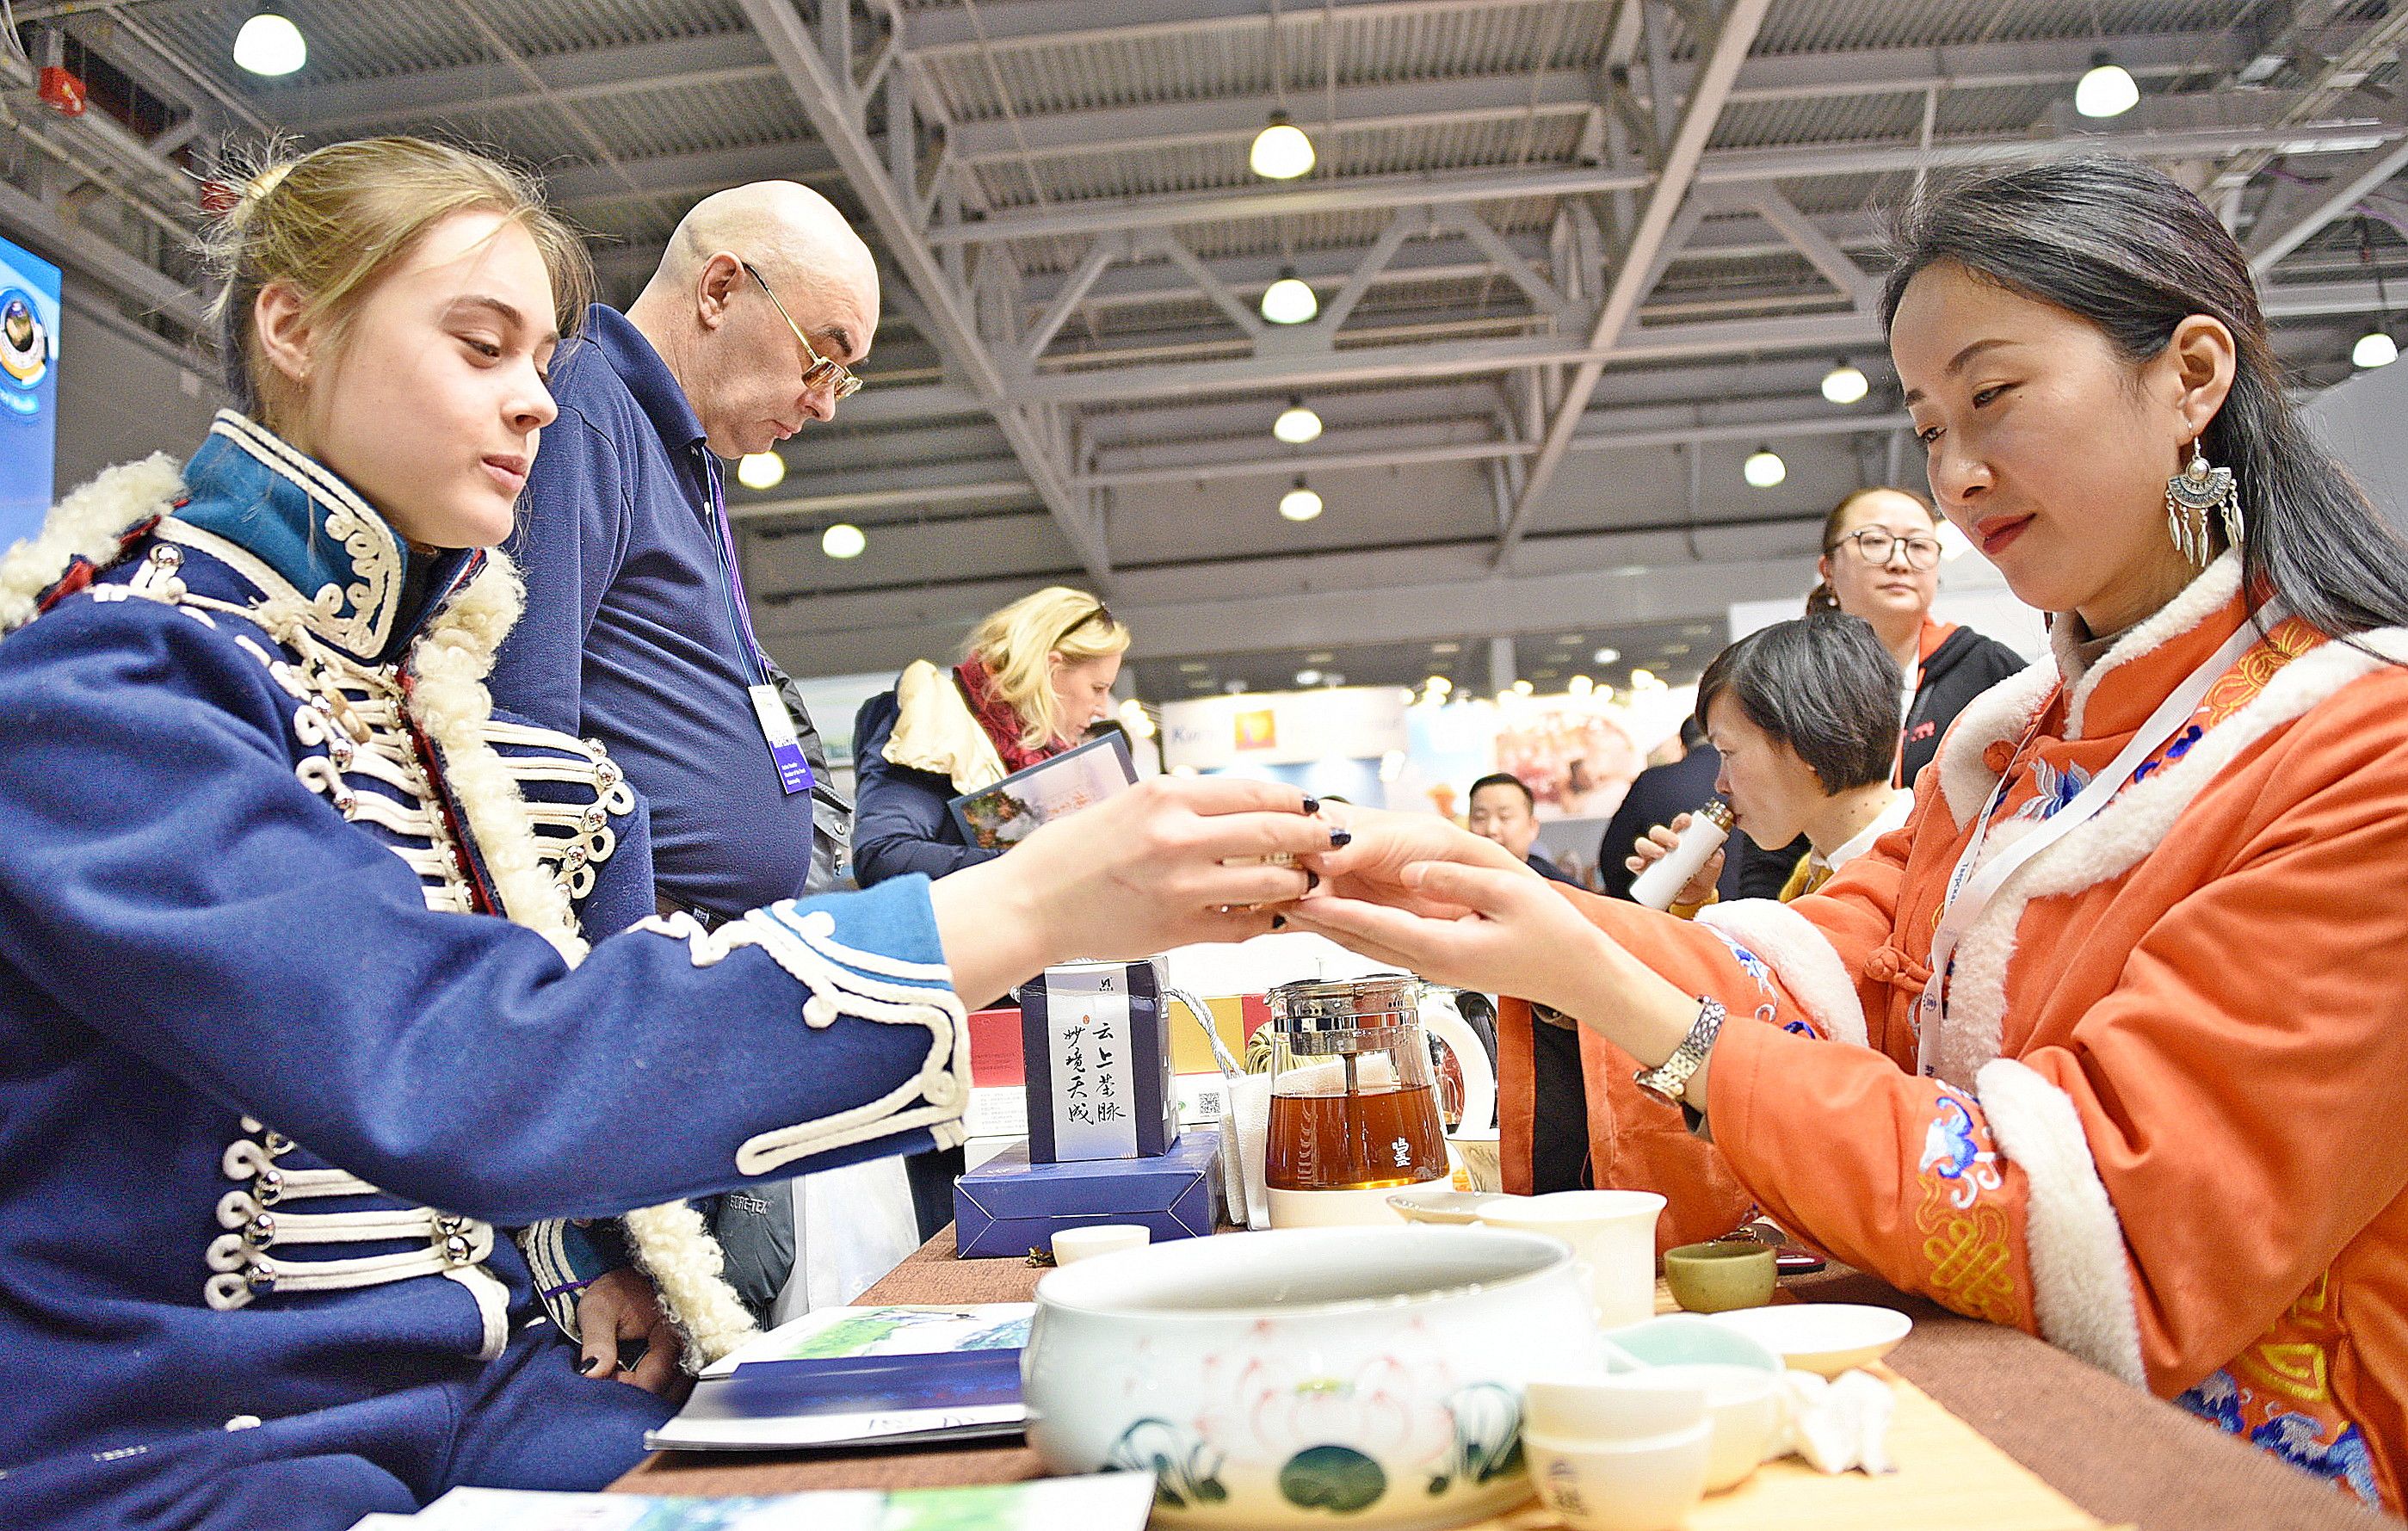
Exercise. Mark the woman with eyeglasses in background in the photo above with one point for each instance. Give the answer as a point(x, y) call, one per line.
point(1881, 562)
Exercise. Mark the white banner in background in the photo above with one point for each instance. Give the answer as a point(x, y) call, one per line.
point(1283, 728)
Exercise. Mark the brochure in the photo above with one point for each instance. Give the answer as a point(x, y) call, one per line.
point(994, 817)
point(1116, 1501)
point(852, 1376)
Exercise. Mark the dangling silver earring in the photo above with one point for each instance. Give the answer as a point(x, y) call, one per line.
point(2193, 493)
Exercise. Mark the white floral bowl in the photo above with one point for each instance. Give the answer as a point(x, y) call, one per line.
point(1369, 1377)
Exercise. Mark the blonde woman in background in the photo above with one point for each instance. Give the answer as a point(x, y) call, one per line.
point(1032, 679)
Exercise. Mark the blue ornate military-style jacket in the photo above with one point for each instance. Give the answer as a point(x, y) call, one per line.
point(266, 1088)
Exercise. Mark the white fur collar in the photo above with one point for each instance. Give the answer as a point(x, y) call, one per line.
point(87, 525)
point(2003, 713)
point(2124, 831)
point(1998, 715)
point(2202, 598)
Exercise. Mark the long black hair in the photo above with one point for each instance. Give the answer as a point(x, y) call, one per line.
point(2129, 248)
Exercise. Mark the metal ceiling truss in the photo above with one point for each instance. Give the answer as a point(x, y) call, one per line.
point(825, 71)
point(1668, 268)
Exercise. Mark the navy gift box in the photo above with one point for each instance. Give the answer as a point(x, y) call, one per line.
point(1008, 1206)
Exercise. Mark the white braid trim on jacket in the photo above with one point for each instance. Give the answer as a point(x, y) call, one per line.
point(671, 1243)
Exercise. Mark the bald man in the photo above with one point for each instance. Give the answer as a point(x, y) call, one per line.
point(637, 633)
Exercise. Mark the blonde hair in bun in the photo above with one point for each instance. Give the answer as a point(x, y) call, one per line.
point(330, 224)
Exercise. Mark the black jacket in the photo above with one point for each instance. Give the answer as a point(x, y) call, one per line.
point(903, 819)
point(1964, 666)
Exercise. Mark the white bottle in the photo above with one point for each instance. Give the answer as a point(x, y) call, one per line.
point(1664, 879)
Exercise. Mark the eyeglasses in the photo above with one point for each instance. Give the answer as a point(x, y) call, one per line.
point(1101, 611)
point(822, 373)
point(1875, 546)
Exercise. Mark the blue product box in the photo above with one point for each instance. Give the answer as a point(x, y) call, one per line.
point(1008, 1206)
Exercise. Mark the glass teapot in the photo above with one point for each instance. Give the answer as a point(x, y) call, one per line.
point(1354, 1108)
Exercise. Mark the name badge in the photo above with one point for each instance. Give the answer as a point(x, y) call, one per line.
point(777, 729)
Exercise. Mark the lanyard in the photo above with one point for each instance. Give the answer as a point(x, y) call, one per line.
point(769, 706)
point(739, 615)
point(1969, 893)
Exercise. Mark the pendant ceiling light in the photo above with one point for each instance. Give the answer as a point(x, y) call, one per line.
point(2107, 91)
point(1300, 503)
point(1296, 425)
point(1845, 383)
point(270, 45)
point(1281, 152)
point(1289, 300)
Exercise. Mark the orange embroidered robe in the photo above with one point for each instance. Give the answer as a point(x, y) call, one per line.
point(2169, 1130)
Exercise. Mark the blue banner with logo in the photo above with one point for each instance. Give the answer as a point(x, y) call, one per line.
point(29, 390)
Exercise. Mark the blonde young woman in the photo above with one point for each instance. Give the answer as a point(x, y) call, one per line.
point(291, 980)
point(1033, 677)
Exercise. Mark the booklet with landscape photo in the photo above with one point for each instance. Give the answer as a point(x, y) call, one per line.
point(993, 818)
point(1113, 1501)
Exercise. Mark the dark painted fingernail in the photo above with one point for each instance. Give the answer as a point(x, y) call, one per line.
point(1279, 921)
point(1312, 880)
point(1339, 839)
point(590, 1365)
point(1311, 805)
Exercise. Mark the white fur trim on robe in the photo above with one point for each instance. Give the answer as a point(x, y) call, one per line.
point(2202, 598)
point(89, 523)
point(936, 731)
point(2082, 1280)
point(2128, 829)
point(1998, 715)
point(1805, 961)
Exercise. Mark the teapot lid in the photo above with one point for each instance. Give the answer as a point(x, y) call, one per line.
point(1347, 1002)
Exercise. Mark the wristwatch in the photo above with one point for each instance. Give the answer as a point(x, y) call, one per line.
point(1666, 1081)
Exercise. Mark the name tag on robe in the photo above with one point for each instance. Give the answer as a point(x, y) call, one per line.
point(778, 728)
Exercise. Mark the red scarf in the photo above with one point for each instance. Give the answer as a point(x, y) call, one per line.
point(1000, 720)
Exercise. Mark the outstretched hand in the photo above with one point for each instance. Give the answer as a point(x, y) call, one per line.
point(1169, 863)
point(1415, 892)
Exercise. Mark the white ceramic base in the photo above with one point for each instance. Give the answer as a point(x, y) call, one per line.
point(1335, 1208)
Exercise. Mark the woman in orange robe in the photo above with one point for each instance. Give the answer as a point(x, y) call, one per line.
point(2155, 1112)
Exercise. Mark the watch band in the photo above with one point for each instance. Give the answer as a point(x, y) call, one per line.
point(1666, 1081)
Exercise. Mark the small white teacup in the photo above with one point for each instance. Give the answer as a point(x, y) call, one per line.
point(1075, 1244)
point(1649, 1484)
point(1743, 1406)
point(1599, 1406)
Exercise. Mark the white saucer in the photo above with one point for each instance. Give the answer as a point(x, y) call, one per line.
point(1828, 1337)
